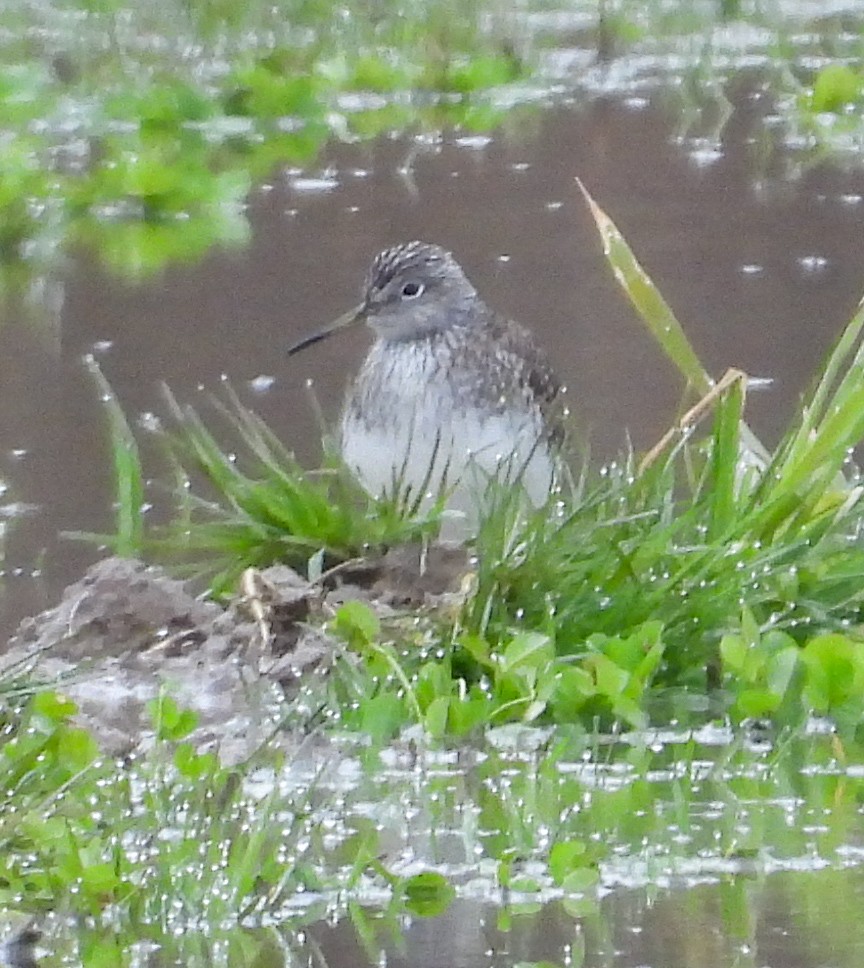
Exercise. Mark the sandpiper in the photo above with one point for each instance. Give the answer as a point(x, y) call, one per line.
point(451, 393)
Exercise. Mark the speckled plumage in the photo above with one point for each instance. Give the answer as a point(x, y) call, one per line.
point(451, 392)
point(488, 363)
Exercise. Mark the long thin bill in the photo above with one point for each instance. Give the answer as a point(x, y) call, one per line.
point(353, 316)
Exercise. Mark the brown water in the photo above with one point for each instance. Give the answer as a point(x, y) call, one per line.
point(761, 921)
point(760, 256)
point(763, 270)
point(781, 920)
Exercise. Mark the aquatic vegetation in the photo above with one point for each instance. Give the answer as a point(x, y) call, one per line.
point(500, 746)
point(171, 847)
point(141, 131)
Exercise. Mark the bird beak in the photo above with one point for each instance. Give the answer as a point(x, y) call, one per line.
point(353, 316)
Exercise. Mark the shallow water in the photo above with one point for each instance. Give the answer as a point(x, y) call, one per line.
point(709, 926)
point(706, 850)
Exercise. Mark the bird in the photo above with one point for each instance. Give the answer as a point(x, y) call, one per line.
point(451, 395)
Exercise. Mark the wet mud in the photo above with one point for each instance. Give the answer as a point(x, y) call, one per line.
point(127, 632)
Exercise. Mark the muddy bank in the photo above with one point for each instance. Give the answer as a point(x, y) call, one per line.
point(127, 631)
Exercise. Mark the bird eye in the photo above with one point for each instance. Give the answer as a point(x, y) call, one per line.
point(411, 290)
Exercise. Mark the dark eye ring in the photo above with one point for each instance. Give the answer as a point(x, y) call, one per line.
point(411, 290)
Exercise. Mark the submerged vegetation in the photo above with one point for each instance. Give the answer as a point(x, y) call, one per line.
point(139, 129)
point(170, 848)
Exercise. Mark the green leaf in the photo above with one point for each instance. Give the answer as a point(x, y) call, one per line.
point(528, 650)
point(565, 857)
point(99, 879)
point(611, 679)
point(382, 716)
point(782, 667)
point(435, 719)
point(733, 653)
point(481, 73)
point(725, 460)
point(192, 764)
point(428, 894)
point(375, 73)
point(534, 710)
point(647, 300)
point(477, 647)
point(756, 703)
point(52, 708)
point(468, 714)
point(357, 624)
point(574, 687)
point(128, 475)
point(76, 749)
point(834, 665)
point(837, 87)
point(526, 884)
point(170, 722)
point(580, 881)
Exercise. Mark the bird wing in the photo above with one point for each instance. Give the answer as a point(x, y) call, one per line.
point(534, 375)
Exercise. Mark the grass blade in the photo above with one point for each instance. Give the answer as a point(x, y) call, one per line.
point(647, 300)
point(128, 476)
point(657, 315)
point(725, 454)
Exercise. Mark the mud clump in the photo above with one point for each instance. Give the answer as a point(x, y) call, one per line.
point(127, 631)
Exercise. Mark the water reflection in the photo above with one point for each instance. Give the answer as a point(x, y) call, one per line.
point(667, 847)
point(778, 921)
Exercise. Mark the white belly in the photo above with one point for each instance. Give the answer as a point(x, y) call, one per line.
point(433, 448)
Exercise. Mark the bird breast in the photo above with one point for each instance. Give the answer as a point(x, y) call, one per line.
point(414, 420)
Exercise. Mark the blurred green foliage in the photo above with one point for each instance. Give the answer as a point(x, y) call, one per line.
point(139, 128)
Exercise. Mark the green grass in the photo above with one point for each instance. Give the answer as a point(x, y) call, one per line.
point(259, 506)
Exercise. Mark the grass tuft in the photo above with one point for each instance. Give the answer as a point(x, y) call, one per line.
point(258, 506)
